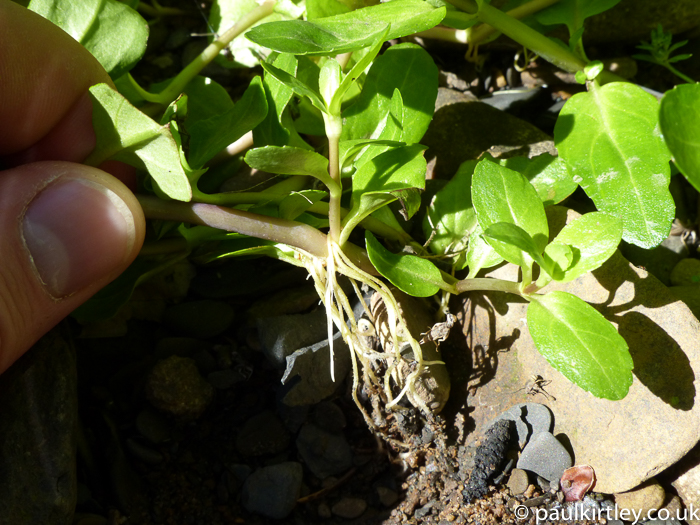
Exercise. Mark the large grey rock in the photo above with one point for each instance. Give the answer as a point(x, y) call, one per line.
point(38, 424)
point(545, 456)
point(282, 335)
point(660, 411)
point(325, 454)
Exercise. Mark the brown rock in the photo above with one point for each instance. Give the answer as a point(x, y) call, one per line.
point(518, 481)
point(642, 500)
point(660, 408)
point(175, 386)
point(688, 487)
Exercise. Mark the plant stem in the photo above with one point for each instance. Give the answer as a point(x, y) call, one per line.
point(679, 74)
point(292, 233)
point(178, 84)
point(334, 126)
point(488, 285)
point(483, 32)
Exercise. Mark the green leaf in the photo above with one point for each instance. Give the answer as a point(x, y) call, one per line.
point(393, 131)
point(503, 195)
point(548, 174)
point(126, 134)
point(225, 13)
point(557, 259)
point(349, 149)
point(411, 70)
point(205, 98)
point(409, 273)
point(378, 182)
point(610, 139)
point(271, 131)
point(680, 125)
point(113, 32)
point(209, 136)
point(581, 344)
point(298, 86)
point(480, 253)
point(572, 13)
point(593, 239)
point(323, 8)
point(513, 243)
point(349, 31)
point(450, 218)
point(290, 161)
point(297, 203)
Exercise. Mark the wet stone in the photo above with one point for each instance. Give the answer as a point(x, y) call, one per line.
point(273, 491)
point(545, 456)
point(325, 454)
point(262, 434)
point(175, 386)
point(349, 508)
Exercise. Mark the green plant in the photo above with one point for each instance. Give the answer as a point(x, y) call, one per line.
point(373, 110)
point(660, 50)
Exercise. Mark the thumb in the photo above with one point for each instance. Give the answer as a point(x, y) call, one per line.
point(66, 230)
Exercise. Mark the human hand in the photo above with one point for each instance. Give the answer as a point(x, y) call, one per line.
point(66, 230)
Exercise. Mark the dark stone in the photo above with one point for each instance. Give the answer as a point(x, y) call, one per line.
point(175, 386)
point(281, 336)
point(262, 434)
point(325, 454)
point(38, 424)
point(201, 319)
point(273, 491)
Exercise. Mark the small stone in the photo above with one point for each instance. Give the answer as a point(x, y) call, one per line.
point(282, 335)
point(538, 417)
point(325, 454)
point(545, 456)
point(262, 434)
point(518, 481)
point(686, 273)
point(350, 508)
point(387, 497)
point(175, 386)
point(329, 417)
point(515, 414)
point(644, 498)
point(323, 510)
point(273, 491)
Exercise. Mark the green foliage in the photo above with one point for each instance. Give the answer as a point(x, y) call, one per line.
point(680, 125)
point(410, 274)
point(349, 31)
point(579, 342)
point(113, 32)
point(610, 139)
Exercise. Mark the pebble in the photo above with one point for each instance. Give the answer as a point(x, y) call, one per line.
point(143, 453)
point(515, 414)
point(538, 417)
point(644, 498)
point(387, 497)
point(330, 417)
point(262, 434)
point(153, 426)
point(349, 508)
point(518, 481)
point(200, 319)
point(224, 379)
point(686, 273)
point(545, 456)
point(323, 510)
point(281, 336)
point(89, 519)
point(273, 491)
point(325, 454)
point(175, 386)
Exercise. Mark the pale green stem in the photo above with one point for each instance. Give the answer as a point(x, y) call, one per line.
point(334, 127)
point(488, 285)
point(178, 84)
point(483, 32)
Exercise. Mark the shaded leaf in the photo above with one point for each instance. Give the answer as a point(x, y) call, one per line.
point(297, 203)
point(290, 161)
point(680, 124)
point(125, 134)
point(513, 244)
point(409, 273)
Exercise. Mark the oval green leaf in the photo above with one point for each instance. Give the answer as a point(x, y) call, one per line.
point(409, 273)
point(290, 161)
point(503, 195)
point(680, 125)
point(593, 238)
point(581, 344)
point(610, 139)
point(348, 31)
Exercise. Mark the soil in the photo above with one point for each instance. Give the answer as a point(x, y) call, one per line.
point(191, 476)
